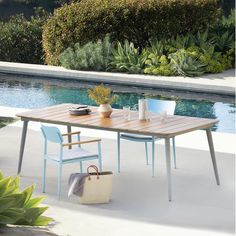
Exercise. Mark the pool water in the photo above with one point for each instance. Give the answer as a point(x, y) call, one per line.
point(26, 92)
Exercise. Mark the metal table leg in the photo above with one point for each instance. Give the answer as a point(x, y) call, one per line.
point(22, 145)
point(118, 150)
point(153, 155)
point(69, 136)
point(213, 158)
point(168, 169)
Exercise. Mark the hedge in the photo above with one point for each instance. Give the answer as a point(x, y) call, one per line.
point(134, 20)
point(21, 40)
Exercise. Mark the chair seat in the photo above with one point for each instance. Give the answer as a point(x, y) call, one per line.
point(73, 154)
point(137, 137)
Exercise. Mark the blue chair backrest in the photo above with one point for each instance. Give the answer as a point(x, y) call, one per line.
point(158, 106)
point(52, 134)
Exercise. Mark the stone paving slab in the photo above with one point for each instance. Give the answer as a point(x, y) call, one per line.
point(222, 83)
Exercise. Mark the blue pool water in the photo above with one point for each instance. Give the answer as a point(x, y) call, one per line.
point(26, 92)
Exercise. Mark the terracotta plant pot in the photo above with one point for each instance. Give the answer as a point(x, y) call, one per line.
point(105, 110)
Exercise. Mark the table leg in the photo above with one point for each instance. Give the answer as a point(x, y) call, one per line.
point(22, 145)
point(118, 150)
point(153, 154)
point(168, 169)
point(213, 158)
point(69, 136)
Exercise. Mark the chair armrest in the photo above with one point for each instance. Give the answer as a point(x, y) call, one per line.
point(67, 134)
point(81, 142)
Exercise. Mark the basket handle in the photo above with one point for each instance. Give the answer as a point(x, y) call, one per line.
point(96, 169)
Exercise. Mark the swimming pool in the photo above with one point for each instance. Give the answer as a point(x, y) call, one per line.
point(27, 92)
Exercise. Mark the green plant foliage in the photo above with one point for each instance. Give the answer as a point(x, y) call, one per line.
point(223, 42)
point(223, 25)
point(179, 42)
point(126, 58)
point(21, 40)
point(136, 21)
point(158, 65)
point(92, 56)
point(205, 51)
point(6, 121)
point(186, 65)
point(18, 207)
point(157, 47)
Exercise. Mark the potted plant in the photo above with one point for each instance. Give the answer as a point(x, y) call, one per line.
point(104, 98)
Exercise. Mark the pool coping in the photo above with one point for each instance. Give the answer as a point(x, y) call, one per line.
point(221, 83)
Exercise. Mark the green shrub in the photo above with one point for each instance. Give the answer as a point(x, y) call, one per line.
point(136, 21)
point(21, 40)
point(185, 64)
point(158, 65)
point(20, 208)
point(215, 61)
point(92, 56)
point(126, 58)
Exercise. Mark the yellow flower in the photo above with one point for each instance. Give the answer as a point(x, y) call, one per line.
point(101, 95)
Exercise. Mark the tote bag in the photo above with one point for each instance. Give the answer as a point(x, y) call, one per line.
point(97, 187)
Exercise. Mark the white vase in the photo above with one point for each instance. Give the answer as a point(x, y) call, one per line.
point(105, 110)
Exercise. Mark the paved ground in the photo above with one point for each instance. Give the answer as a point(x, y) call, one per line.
point(139, 205)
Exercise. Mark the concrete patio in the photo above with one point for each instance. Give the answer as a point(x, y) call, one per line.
point(139, 205)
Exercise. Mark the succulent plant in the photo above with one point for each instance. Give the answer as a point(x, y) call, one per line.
point(18, 207)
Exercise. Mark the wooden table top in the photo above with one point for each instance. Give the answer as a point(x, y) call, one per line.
point(170, 127)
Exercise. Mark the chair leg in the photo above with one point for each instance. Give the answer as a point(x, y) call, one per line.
point(174, 151)
point(118, 150)
point(153, 154)
point(59, 180)
point(81, 167)
point(99, 156)
point(78, 139)
point(146, 152)
point(44, 175)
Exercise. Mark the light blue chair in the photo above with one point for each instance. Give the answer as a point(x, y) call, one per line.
point(64, 155)
point(154, 106)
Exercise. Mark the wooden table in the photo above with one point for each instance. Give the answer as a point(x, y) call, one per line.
point(171, 127)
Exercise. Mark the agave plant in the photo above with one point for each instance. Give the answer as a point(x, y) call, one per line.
point(185, 65)
point(18, 207)
point(126, 58)
point(179, 42)
point(157, 47)
point(223, 42)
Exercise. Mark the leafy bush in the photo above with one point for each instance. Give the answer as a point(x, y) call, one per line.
point(91, 56)
point(215, 61)
point(158, 65)
point(20, 40)
point(20, 208)
point(136, 21)
point(186, 65)
point(188, 55)
point(126, 58)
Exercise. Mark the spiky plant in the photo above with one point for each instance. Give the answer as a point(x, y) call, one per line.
point(126, 58)
point(185, 65)
point(18, 207)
